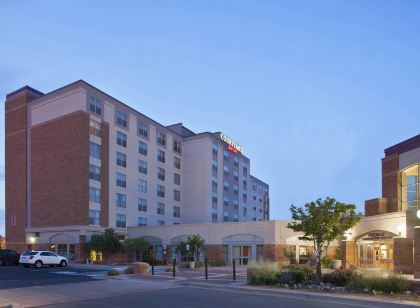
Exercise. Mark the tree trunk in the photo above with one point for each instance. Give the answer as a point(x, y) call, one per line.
point(318, 269)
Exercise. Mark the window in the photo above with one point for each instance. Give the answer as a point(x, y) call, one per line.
point(95, 150)
point(142, 204)
point(225, 155)
point(94, 217)
point(409, 187)
point(235, 218)
point(161, 174)
point(244, 197)
point(235, 204)
point(226, 186)
point(121, 118)
point(177, 179)
point(235, 176)
point(214, 148)
point(143, 166)
point(120, 221)
point(214, 197)
point(120, 200)
point(177, 195)
point(121, 180)
point(142, 186)
point(177, 212)
point(225, 217)
point(161, 138)
point(160, 208)
point(95, 128)
point(244, 210)
point(121, 160)
point(160, 191)
point(161, 156)
point(214, 165)
point(225, 200)
point(143, 148)
point(95, 173)
point(177, 163)
point(244, 170)
point(236, 161)
point(142, 221)
point(94, 195)
point(95, 106)
point(160, 222)
point(122, 139)
point(214, 184)
point(143, 130)
point(235, 189)
point(213, 215)
point(225, 171)
point(177, 146)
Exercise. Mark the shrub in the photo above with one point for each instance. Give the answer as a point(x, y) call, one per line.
point(341, 277)
point(326, 278)
point(217, 263)
point(149, 260)
point(199, 264)
point(394, 283)
point(113, 272)
point(263, 273)
point(304, 275)
point(129, 270)
point(326, 261)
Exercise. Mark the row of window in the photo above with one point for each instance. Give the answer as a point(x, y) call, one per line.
point(121, 219)
point(121, 119)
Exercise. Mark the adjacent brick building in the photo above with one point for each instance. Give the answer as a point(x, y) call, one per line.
point(387, 237)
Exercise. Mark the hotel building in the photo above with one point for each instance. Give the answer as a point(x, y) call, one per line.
point(388, 236)
point(79, 161)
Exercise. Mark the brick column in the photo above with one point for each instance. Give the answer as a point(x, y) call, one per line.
point(403, 255)
point(349, 254)
point(416, 253)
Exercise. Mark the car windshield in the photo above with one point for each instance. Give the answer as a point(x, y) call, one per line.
point(30, 253)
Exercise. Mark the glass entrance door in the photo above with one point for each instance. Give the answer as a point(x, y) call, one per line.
point(376, 255)
point(242, 254)
point(366, 256)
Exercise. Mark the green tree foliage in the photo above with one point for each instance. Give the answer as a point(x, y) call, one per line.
point(106, 242)
point(133, 245)
point(321, 222)
point(197, 244)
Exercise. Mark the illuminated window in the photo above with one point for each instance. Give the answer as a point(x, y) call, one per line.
point(409, 187)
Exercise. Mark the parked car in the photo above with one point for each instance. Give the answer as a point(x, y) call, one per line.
point(8, 256)
point(40, 258)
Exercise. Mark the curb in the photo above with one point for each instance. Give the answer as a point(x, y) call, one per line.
point(305, 294)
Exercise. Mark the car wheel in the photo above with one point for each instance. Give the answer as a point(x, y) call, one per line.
point(63, 263)
point(26, 265)
point(38, 264)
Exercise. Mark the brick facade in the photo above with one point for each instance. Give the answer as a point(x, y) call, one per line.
point(376, 207)
point(105, 175)
point(214, 252)
point(16, 166)
point(403, 255)
point(59, 171)
point(391, 182)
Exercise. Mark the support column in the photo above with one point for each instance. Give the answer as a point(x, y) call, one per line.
point(416, 252)
point(403, 255)
point(348, 254)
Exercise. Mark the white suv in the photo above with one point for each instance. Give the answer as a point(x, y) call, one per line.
point(40, 258)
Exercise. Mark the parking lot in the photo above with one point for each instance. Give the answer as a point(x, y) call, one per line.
point(20, 277)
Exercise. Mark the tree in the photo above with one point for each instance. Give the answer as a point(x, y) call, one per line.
point(196, 243)
point(106, 242)
point(134, 245)
point(321, 222)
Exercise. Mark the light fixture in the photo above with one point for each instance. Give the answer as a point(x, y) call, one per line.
point(32, 239)
point(418, 214)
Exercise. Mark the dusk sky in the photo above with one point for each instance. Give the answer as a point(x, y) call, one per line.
point(313, 91)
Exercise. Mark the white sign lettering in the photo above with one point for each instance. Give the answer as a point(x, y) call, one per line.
point(231, 143)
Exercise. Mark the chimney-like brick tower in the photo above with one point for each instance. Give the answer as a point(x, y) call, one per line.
point(16, 141)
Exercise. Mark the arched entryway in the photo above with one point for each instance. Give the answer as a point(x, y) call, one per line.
point(155, 249)
point(375, 250)
point(178, 248)
point(243, 248)
point(63, 245)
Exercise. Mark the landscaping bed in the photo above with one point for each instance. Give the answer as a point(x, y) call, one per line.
point(302, 277)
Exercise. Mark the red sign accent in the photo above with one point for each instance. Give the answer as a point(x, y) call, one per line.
point(232, 149)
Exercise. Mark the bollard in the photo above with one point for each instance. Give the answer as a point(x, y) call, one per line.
point(153, 264)
point(206, 268)
point(173, 267)
point(234, 269)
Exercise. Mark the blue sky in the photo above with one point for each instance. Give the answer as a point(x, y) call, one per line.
point(314, 91)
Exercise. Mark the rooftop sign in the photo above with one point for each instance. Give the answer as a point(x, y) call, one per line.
point(232, 145)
